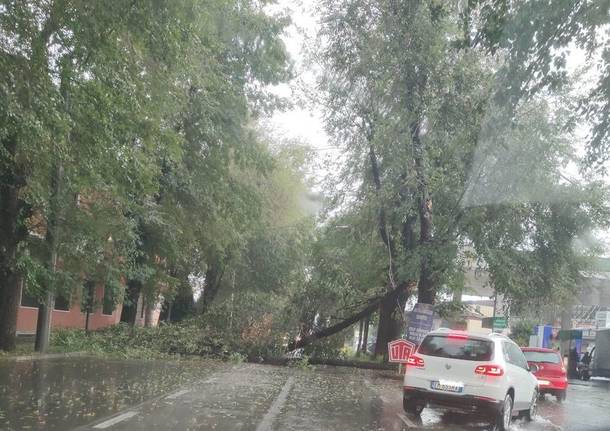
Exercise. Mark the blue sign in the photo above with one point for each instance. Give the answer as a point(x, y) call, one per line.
point(420, 322)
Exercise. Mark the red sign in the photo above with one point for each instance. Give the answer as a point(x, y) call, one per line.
point(400, 350)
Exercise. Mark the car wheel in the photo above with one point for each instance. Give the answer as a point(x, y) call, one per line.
point(505, 414)
point(561, 396)
point(412, 406)
point(531, 413)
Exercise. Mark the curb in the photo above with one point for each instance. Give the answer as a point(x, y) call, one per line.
point(327, 362)
point(34, 357)
point(590, 383)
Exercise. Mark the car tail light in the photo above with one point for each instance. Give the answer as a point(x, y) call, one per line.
point(415, 361)
point(489, 370)
point(457, 336)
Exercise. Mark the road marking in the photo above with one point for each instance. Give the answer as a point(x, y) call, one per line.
point(274, 410)
point(116, 420)
point(177, 394)
point(408, 422)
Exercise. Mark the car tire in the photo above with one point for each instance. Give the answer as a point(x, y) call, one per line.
point(504, 415)
point(561, 396)
point(412, 406)
point(530, 414)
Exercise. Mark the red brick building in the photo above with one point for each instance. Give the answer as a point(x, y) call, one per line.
point(67, 313)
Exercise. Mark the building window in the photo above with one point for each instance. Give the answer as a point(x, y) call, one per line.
point(62, 302)
point(108, 305)
point(27, 299)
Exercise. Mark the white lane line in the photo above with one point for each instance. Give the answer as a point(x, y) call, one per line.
point(115, 420)
point(274, 410)
point(177, 394)
point(408, 422)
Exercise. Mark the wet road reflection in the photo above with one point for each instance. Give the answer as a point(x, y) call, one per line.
point(586, 409)
point(121, 395)
point(59, 394)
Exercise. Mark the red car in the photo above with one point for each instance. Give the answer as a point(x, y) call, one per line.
point(548, 368)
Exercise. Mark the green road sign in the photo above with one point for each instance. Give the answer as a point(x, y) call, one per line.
point(500, 323)
point(495, 322)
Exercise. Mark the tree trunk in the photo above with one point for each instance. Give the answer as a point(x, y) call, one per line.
point(360, 329)
point(168, 318)
point(391, 320)
point(13, 212)
point(87, 315)
point(11, 294)
point(213, 278)
point(129, 313)
point(365, 336)
point(382, 224)
point(426, 287)
point(45, 311)
point(149, 312)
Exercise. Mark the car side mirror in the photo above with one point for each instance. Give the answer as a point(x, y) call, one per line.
point(532, 368)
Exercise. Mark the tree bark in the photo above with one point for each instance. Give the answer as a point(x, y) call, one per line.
point(13, 213)
point(390, 320)
point(365, 336)
point(384, 233)
point(168, 318)
point(149, 312)
point(213, 278)
point(360, 330)
point(426, 288)
point(11, 294)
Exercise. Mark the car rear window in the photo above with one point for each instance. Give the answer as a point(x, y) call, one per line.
point(457, 347)
point(548, 357)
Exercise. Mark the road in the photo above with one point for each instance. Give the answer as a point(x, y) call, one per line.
point(216, 396)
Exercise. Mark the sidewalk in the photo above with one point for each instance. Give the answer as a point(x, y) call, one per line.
point(595, 381)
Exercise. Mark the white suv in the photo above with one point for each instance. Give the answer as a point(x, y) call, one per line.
point(472, 372)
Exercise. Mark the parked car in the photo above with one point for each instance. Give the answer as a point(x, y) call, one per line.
point(464, 371)
point(549, 369)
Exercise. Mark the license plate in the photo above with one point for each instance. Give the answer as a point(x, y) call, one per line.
point(447, 386)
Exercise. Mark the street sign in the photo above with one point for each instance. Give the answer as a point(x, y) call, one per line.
point(500, 323)
point(494, 322)
point(400, 350)
point(420, 323)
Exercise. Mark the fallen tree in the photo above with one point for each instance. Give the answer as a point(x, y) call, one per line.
point(372, 306)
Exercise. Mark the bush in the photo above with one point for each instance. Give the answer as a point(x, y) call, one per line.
point(126, 341)
point(520, 332)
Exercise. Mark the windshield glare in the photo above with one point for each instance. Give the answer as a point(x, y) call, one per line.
point(468, 349)
point(548, 357)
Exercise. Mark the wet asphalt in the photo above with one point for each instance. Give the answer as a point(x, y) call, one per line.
point(89, 394)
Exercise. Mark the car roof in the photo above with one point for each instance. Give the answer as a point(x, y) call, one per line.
point(539, 349)
point(470, 334)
